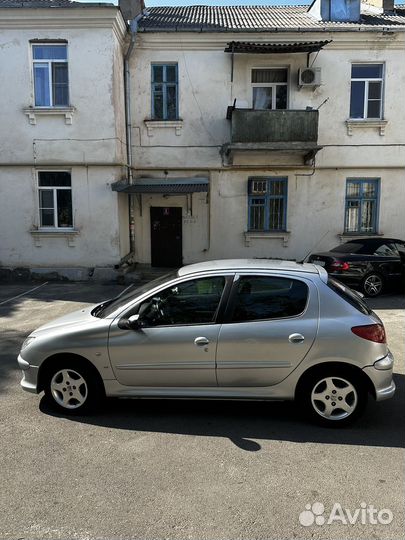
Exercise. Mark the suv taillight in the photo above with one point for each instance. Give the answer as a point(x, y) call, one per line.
point(339, 266)
point(372, 332)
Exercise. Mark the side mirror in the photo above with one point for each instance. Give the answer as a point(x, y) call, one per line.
point(132, 323)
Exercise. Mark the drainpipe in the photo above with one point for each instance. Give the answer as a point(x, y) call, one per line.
point(128, 123)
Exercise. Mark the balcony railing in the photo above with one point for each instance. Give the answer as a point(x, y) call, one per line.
point(277, 126)
point(282, 131)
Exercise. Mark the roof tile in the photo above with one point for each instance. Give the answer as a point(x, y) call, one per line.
point(251, 19)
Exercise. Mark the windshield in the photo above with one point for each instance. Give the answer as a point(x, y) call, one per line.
point(349, 295)
point(106, 308)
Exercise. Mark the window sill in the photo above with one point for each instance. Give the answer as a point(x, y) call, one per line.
point(69, 234)
point(372, 124)
point(344, 237)
point(33, 112)
point(267, 235)
point(177, 125)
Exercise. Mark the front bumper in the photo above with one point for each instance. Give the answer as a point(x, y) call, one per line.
point(384, 385)
point(29, 381)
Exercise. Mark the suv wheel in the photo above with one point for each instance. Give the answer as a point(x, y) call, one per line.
point(334, 398)
point(72, 388)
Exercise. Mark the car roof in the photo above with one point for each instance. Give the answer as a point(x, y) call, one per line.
point(371, 240)
point(249, 265)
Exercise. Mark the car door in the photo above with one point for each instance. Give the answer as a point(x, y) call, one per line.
point(270, 325)
point(176, 341)
point(389, 261)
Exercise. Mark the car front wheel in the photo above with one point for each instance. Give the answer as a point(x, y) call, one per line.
point(333, 398)
point(72, 389)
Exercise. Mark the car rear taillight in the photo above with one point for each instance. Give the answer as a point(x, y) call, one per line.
point(372, 332)
point(340, 266)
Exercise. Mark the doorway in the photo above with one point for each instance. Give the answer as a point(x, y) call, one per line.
point(166, 236)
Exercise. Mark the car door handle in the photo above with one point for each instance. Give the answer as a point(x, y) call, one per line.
point(296, 338)
point(201, 341)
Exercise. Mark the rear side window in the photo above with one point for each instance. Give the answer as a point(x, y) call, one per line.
point(350, 296)
point(350, 247)
point(262, 297)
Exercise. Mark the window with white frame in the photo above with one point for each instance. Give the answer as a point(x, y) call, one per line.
point(267, 204)
point(55, 199)
point(367, 91)
point(269, 87)
point(362, 205)
point(50, 67)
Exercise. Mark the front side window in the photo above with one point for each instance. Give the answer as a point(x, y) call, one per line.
point(55, 199)
point(361, 205)
point(269, 87)
point(267, 204)
point(267, 297)
point(165, 92)
point(386, 250)
point(366, 91)
point(191, 302)
point(51, 85)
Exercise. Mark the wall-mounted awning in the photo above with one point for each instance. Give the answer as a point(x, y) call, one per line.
point(275, 48)
point(163, 185)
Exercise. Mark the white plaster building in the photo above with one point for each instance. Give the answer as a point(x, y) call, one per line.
point(235, 150)
point(305, 159)
point(62, 135)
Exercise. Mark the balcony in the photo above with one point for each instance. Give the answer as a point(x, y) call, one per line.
point(284, 131)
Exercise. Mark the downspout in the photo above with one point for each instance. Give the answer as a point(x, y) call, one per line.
point(128, 123)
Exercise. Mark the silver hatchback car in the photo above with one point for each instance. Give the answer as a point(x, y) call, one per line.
point(237, 329)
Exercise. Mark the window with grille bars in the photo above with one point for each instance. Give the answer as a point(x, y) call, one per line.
point(362, 205)
point(267, 200)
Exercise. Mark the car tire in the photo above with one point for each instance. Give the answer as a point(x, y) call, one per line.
point(333, 397)
point(372, 285)
point(73, 388)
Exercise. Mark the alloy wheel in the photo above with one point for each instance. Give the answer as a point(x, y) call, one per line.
point(334, 398)
point(69, 389)
point(373, 285)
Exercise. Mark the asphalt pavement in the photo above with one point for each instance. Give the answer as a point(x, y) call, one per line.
point(189, 469)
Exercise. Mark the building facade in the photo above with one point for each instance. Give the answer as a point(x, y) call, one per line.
point(195, 133)
point(266, 131)
point(62, 136)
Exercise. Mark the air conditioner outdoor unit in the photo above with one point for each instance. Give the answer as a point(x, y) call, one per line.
point(309, 77)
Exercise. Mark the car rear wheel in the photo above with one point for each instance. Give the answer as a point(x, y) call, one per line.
point(72, 388)
point(372, 285)
point(334, 398)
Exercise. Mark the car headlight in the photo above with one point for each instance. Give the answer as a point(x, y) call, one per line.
point(27, 342)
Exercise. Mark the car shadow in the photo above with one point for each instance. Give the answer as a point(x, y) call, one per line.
point(248, 423)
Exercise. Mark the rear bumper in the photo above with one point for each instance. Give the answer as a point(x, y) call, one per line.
point(29, 381)
point(382, 380)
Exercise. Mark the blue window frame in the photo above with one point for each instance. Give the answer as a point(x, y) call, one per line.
point(361, 212)
point(51, 83)
point(165, 92)
point(267, 204)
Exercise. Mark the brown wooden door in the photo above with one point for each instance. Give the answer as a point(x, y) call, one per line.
point(166, 236)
